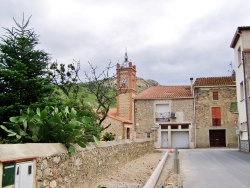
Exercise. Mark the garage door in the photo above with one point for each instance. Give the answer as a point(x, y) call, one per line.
point(180, 139)
point(217, 138)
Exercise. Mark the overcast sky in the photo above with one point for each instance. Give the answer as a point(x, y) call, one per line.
point(168, 40)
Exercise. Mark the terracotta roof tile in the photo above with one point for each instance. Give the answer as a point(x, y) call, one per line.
point(163, 92)
point(215, 81)
point(113, 114)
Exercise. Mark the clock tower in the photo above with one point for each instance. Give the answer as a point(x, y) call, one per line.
point(126, 88)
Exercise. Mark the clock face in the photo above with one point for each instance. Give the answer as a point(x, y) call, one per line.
point(124, 80)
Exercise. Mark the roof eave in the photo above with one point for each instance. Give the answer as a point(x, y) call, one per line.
point(163, 98)
point(217, 86)
point(237, 35)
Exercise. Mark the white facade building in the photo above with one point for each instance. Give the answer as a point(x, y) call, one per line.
point(241, 46)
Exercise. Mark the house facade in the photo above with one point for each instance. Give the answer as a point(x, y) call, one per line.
point(215, 112)
point(165, 114)
point(241, 47)
point(122, 128)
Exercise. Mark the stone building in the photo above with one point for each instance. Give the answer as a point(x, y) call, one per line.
point(184, 116)
point(121, 118)
point(215, 112)
point(165, 113)
point(241, 46)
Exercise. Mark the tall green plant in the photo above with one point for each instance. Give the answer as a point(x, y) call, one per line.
point(52, 125)
point(23, 79)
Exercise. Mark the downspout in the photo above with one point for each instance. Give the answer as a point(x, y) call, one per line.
point(245, 89)
point(134, 118)
point(194, 120)
point(194, 107)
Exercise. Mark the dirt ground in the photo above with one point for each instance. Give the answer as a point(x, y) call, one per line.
point(135, 174)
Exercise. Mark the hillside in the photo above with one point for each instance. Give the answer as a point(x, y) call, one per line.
point(143, 84)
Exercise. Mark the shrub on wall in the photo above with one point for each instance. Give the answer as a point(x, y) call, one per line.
point(53, 125)
point(108, 136)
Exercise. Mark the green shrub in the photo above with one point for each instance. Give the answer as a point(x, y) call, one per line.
point(53, 125)
point(108, 136)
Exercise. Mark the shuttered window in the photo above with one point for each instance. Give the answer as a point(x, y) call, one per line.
point(216, 116)
point(215, 95)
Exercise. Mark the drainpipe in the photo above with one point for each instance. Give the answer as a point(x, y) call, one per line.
point(194, 120)
point(195, 136)
point(134, 121)
point(245, 89)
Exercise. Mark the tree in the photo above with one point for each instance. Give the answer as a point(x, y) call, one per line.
point(103, 87)
point(66, 78)
point(23, 79)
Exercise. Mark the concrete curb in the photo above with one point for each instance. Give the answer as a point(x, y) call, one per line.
point(155, 175)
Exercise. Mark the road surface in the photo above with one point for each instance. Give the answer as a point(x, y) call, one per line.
point(215, 168)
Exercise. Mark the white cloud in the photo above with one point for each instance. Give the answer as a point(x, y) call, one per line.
point(169, 40)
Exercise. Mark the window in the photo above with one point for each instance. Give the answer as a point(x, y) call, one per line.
point(29, 169)
point(239, 56)
point(241, 91)
point(215, 95)
point(185, 126)
point(128, 133)
point(148, 135)
point(162, 113)
point(216, 116)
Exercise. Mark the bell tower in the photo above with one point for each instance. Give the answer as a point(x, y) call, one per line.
point(126, 88)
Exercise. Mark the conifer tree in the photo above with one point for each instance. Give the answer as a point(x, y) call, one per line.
point(23, 79)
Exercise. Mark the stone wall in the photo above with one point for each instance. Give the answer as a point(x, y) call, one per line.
point(244, 145)
point(116, 128)
point(144, 117)
point(203, 103)
point(145, 114)
point(247, 85)
point(89, 166)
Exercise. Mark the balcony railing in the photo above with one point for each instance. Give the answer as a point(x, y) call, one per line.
point(162, 117)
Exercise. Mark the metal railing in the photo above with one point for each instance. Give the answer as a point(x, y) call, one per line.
point(162, 116)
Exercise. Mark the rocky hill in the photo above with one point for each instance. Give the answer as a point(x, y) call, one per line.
point(143, 84)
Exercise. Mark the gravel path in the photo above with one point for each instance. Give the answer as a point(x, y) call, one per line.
point(133, 174)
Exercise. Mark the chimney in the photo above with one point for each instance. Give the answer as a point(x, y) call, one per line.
point(233, 75)
point(191, 84)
